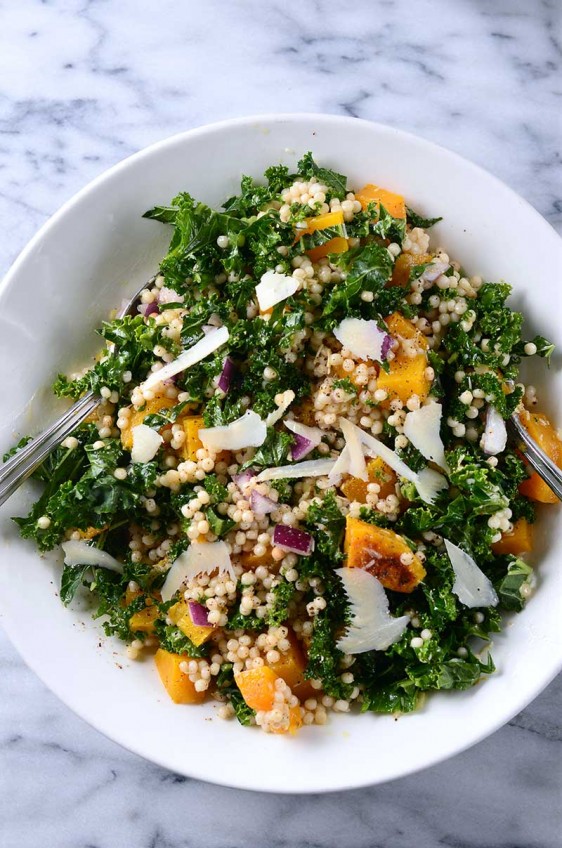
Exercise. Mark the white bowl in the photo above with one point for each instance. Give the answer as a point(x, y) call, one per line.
point(98, 248)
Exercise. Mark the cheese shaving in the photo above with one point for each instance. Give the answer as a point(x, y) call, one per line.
point(247, 431)
point(199, 558)
point(214, 339)
point(274, 288)
point(372, 628)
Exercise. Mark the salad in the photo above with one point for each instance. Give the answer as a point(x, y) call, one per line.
point(297, 494)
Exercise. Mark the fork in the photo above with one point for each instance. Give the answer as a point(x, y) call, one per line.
point(20, 466)
point(535, 456)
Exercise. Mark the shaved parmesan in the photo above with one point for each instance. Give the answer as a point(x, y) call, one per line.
point(471, 586)
point(146, 443)
point(423, 429)
point(199, 558)
point(352, 436)
point(494, 438)
point(427, 482)
point(216, 337)
point(313, 434)
point(286, 400)
point(274, 288)
point(374, 447)
point(362, 338)
point(79, 552)
point(340, 467)
point(247, 431)
point(310, 468)
point(372, 628)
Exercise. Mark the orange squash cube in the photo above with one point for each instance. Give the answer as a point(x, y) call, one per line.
point(393, 203)
point(257, 686)
point(406, 375)
point(335, 245)
point(404, 264)
point(542, 431)
point(295, 721)
point(137, 416)
point(519, 541)
point(177, 684)
point(379, 551)
point(143, 620)
point(291, 666)
point(378, 472)
point(323, 222)
point(197, 633)
point(191, 425)
point(250, 560)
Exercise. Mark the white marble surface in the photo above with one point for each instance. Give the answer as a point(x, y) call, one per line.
point(84, 83)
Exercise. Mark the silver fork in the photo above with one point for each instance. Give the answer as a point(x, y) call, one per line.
point(20, 466)
point(536, 457)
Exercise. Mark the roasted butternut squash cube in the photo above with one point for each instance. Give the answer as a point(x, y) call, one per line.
point(257, 686)
point(406, 375)
point(291, 666)
point(519, 541)
point(180, 615)
point(380, 552)
point(250, 560)
point(335, 245)
point(404, 264)
point(542, 431)
point(393, 203)
point(378, 472)
point(138, 415)
point(295, 721)
point(191, 425)
point(177, 684)
point(143, 620)
point(323, 222)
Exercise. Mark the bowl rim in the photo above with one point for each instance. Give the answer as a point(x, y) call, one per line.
point(107, 175)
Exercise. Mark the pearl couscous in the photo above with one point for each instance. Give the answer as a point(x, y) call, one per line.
point(297, 492)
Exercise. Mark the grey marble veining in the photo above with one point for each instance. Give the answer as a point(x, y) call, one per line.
point(84, 83)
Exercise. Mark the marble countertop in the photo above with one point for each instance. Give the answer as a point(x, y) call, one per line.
point(84, 83)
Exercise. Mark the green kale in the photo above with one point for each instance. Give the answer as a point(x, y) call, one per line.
point(386, 226)
point(278, 611)
point(476, 480)
point(273, 452)
point(165, 416)
point(367, 269)
point(544, 347)
point(415, 220)
point(219, 524)
point(226, 685)
point(511, 588)
point(73, 576)
point(336, 183)
point(347, 386)
point(173, 640)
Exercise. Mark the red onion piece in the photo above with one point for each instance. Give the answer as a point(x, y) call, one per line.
point(386, 345)
point(260, 505)
point(244, 478)
point(151, 309)
point(293, 540)
point(199, 614)
point(227, 373)
point(300, 447)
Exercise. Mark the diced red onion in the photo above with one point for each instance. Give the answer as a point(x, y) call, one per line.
point(244, 478)
point(151, 308)
point(300, 447)
point(260, 504)
point(227, 373)
point(199, 614)
point(293, 540)
point(386, 345)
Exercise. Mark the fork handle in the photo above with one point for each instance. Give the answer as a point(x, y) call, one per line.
point(25, 461)
point(538, 459)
